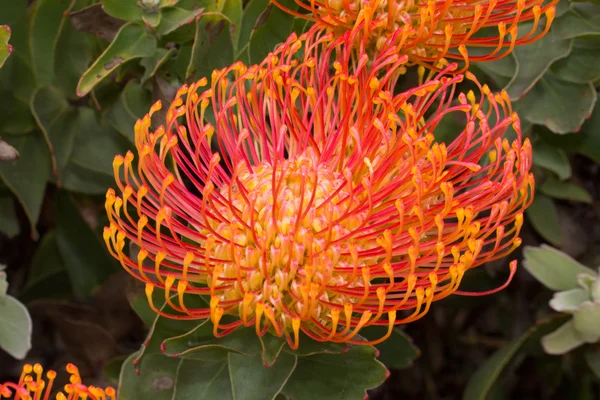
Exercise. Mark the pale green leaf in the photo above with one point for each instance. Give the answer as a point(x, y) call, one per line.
point(586, 321)
point(16, 328)
point(553, 268)
point(562, 340)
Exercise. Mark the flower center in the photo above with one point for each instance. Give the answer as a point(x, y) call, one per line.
point(286, 242)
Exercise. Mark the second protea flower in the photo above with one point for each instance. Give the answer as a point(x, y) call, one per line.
point(300, 197)
point(428, 30)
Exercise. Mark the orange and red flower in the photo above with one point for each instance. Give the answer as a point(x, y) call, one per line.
point(300, 197)
point(428, 30)
point(33, 386)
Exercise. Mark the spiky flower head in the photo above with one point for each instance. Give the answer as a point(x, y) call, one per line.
point(429, 30)
point(300, 197)
point(34, 386)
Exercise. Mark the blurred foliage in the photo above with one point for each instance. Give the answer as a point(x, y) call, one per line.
point(83, 71)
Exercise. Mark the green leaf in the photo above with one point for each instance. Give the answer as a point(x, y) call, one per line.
point(128, 10)
point(86, 260)
point(397, 351)
point(561, 106)
point(213, 47)
point(156, 378)
point(583, 64)
point(46, 266)
point(569, 300)
point(47, 22)
point(565, 191)
point(14, 14)
point(579, 20)
point(336, 376)
point(200, 343)
point(481, 382)
point(585, 321)
point(553, 268)
point(134, 102)
point(252, 12)
point(552, 158)
point(203, 380)
point(562, 340)
point(544, 218)
point(27, 176)
point(152, 64)
point(233, 10)
point(252, 380)
point(9, 223)
point(534, 60)
point(174, 17)
point(15, 330)
point(272, 27)
point(74, 54)
point(592, 357)
point(5, 48)
point(112, 369)
point(131, 42)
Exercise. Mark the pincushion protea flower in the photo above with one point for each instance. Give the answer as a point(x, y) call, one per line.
point(301, 197)
point(33, 386)
point(430, 29)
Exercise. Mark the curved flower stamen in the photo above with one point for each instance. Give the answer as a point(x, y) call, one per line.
point(299, 197)
point(431, 30)
point(33, 386)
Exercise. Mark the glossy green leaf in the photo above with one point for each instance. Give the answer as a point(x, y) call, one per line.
point(579, 19)
point(481, 382)
point(5, 48)
point(552, 158)
point(16, 327)
point(86, 260)
point(397, 351)
point(213, 47)
point(9, 223)
point(583, 63)
point(252, 380)
point(535, 59)
point(562, 340)
point(544, 218)
point(128, 10)
point(565, 191)
point(134, 102)
point(46, 24)
point(27, 176)
point(553, 268)
point(561, 106)
point(131, 42)
point(174, 17)
point(336, 376)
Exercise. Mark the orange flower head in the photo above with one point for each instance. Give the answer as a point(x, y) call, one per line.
point(428, 30)
point(33, 386)
point(299, 197)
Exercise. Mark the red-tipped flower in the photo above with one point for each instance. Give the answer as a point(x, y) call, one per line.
point(301, 197)
point(33, 386)
point(428, 30)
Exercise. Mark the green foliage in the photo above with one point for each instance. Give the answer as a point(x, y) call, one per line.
point(15, 330)
point(5, 48)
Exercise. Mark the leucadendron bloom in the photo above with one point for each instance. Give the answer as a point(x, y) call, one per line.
point(35, 385)
point(298, 197)
point(430, 30)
